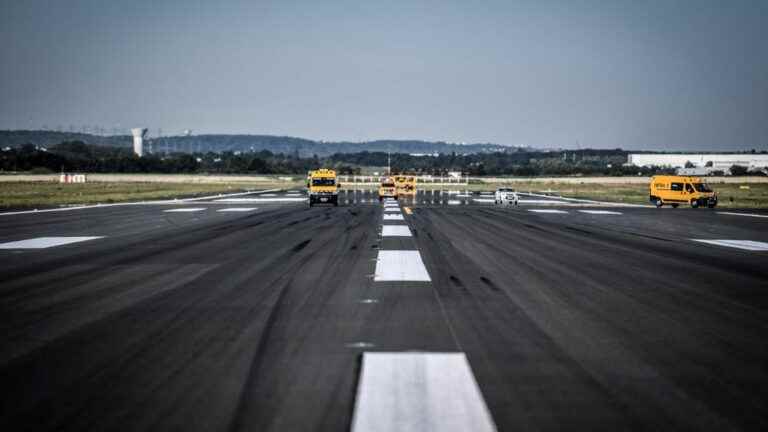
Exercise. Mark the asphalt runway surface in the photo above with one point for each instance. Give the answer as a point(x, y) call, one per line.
point(570, 316)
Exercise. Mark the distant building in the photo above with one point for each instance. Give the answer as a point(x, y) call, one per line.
point(700, 163)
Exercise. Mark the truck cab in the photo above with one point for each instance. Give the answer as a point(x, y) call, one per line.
point(676, 190)
point(323, 187)
point(387, 188)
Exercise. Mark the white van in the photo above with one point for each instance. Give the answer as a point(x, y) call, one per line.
point(505, 196)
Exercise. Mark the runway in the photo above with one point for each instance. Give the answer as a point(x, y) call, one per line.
point(259, 313)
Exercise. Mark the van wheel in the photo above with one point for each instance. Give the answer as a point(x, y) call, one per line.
point(675, 205)
point(694, 204)
point(659, 203)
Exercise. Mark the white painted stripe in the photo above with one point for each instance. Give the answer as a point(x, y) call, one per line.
point(44, 242)
point(185, 210)
point(547, 211)
point(293, 194)
point(743, 214)
point(463, 196)
point(601, 212)
point(400, 265)
point(750, 245)
point(393, 217)
point(256, 200)
point(483, 200)
point(135, 203)
point(392, 210)
point(269, 195)
point(533, 201)
point(237, 209)
point(419, 392)
point(454, 202)
point(395, 231)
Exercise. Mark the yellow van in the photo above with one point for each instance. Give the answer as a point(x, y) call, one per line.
point(676, 190)
point(323, 187)
point(406, 185)
point(387, 189)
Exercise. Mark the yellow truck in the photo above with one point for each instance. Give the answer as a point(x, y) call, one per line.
point(676, 190)
point(323, 187)
point(387, 188)
point(406, 185)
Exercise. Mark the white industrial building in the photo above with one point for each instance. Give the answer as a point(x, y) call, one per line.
point(138, 140)
point(713, 162)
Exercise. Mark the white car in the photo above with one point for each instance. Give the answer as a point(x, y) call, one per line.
point(505, 196)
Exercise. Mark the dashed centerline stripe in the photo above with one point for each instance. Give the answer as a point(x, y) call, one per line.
point(419, 392)
point(396, 231)
point(400, 265)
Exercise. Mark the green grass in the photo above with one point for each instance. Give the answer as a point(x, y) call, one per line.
point(49, 194)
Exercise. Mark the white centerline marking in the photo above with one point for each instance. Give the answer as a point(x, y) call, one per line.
point(483, 200)
point(400, 265)
point(750, 245)
point(393, 217)
point(547, 211)
point(185, 210)
point(395, 231)
point(419, 392)
point(601, 212)
point(392, 210)
point(743, 214)
point(44, 242)
point(237, 209)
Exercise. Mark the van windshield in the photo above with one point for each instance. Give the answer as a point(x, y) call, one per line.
point(702, 187)
point(323, 182)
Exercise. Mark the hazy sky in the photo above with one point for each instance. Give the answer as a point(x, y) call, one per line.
point(634, 74)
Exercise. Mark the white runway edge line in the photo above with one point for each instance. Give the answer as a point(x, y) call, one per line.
point(547, 211)
point(261, 200)
point(393, 217)
point(750, 245)
point(137, 203)
point(400, 265)
point(237, 209)
point(743, 214)
point(45, 242)
point(395, 231)
point(424, 392)
point(601, 212)
point(185, 210)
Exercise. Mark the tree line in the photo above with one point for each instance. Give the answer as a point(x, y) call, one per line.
point(76, 156)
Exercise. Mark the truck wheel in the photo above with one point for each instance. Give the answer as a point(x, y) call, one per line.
point(675, 205)
point(694, 204)
point(659, 203)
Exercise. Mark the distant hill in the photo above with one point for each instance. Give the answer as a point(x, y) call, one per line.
point(247, 143)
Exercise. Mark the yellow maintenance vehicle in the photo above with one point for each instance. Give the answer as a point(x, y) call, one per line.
point(387, 188)
point(676, 190)
point(406, 185)
point(323, 187)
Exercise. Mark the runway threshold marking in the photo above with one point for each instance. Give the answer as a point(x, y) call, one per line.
point(743, 214)
point(750, 245)
point(184, 210)
point(400, 265)
point(236, 209)
point(393, 217)
point(45, 242)
point(396, 231)
point(412, 391)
